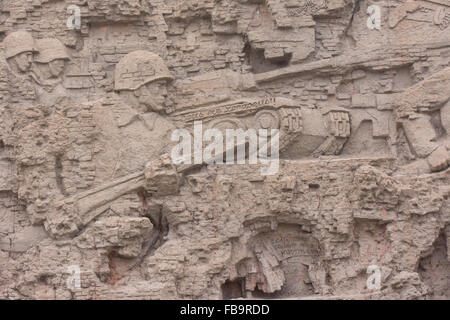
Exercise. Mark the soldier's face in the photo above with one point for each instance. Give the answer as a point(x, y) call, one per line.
point(24, 61)
point(153, 95)
point(56, 67)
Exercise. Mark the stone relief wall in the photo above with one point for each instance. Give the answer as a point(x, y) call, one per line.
point(87, 187)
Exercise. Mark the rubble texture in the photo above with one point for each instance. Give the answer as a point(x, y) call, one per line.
point(87, 117)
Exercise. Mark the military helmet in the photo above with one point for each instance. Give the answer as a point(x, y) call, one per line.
point(50, 49)
point(139, 68)
point(18, 42)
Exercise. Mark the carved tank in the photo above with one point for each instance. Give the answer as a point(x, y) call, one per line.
point(307, 131)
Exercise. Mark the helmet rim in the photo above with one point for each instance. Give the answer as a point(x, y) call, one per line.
point(139, 68)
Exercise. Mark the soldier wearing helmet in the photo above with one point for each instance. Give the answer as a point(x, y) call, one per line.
point(134, 116)
point(123, 134)
point(51, 59)
point(18, 51)
point(19, 48)
point(141, 78)
point(47, 72)
point(16, 87)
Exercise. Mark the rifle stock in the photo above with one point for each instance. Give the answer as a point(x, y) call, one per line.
point(91, 200)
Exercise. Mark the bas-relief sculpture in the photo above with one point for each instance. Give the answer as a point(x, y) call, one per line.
point(86, 177)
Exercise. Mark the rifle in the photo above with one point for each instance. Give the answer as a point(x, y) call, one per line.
point(376, 59)
point(90, 204)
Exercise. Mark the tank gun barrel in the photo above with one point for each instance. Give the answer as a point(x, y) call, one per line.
point(376, 59)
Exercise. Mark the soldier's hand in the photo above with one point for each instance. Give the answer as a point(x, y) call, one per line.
point(64, 220)
point(161, 177)
point(438, 159)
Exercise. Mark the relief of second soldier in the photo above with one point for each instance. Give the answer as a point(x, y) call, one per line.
point(100, 151)
point(49, 65)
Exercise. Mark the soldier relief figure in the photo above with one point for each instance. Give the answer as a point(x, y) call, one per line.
point(34, 69)
point(129, 137)
point(49, 65)
point(132, 128)
point(19, 48)
point(16, 91)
